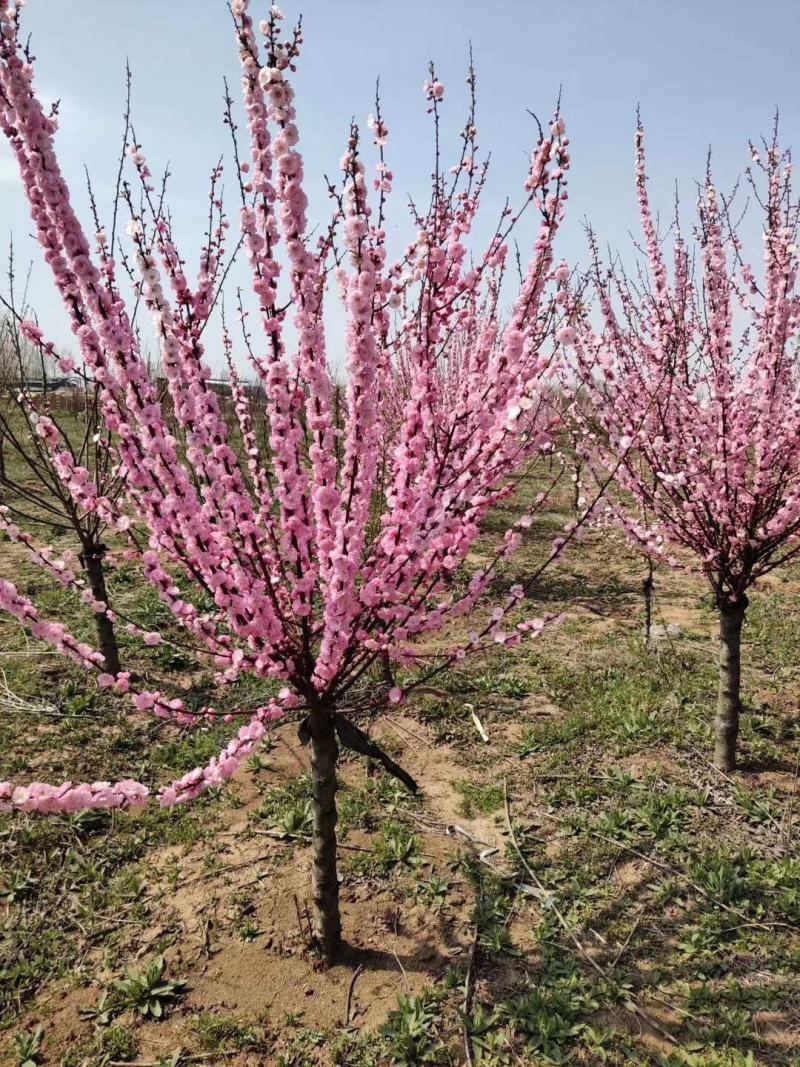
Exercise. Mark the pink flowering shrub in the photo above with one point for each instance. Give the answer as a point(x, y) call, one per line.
point(694, 402)
point(336, 547)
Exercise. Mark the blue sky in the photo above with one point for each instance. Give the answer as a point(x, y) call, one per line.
point(704, 71)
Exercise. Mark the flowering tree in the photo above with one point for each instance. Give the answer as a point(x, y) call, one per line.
point(694, 387)
point(336, 547)
point(39, 444)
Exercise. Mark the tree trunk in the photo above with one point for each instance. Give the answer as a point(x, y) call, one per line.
point(327, 921)
point(731, 617)
point(647, 591)
point(107, 639)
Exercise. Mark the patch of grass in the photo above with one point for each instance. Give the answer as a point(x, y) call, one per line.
point(396, 847)
point(288, 808)
point(366, 807)
point(544, 736)
point(118, 1043)
point(433, 892)
point(148, 993)
point(503, 684)
point(759, 810)
point(410, 1031)
point(27, 1047)
point(547, 1016)
point(249, 931)
point(484, 799)
point(723, 874)
point(222, 1034)
point(19, 886)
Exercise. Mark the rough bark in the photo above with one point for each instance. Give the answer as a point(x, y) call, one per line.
point(106, 637)
point(731, 617)
point(327, 922)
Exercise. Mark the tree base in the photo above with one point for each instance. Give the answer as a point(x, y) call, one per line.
point(326, 918)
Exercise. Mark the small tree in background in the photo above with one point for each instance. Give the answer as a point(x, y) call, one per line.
point(44, 436)
point(693, 381)
point(339, 547)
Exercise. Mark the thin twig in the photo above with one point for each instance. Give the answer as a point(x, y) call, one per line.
point(394, 730)
point(788, 814)
point(628, 939)
point(407, 729)
point(224, 870)
point(197, 1058)
point(469, 989)
point(353, 981)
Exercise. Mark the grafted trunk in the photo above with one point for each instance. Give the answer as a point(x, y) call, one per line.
point(731, 617)
point(106, 637)
point(325, 877)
